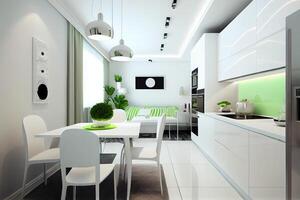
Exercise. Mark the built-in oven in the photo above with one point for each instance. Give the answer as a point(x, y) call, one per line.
point(198, 101)
point(197, 106)
point(194, 125)
point(194, 80)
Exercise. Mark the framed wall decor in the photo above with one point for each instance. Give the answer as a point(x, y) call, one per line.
point(149, 83)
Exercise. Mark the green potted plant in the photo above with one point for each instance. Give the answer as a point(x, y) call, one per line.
point(119, 101)
point(101, 113)
point(118, 80)
point(224, 106)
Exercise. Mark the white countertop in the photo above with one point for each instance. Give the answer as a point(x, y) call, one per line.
point(265, 127)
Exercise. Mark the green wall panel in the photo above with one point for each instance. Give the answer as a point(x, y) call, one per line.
point(266, 93)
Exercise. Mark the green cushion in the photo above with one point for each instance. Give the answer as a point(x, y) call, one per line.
point(155, 111)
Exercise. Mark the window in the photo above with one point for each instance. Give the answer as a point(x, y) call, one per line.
point(93, 76)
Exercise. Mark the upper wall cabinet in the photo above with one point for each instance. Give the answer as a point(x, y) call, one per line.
point(240, 64)
point(239, 34)
point(271, 15)
point(198, 60)
point(271, 52)
point(260, 26)
point(271, 33)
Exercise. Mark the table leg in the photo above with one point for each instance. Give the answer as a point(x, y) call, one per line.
point(128, 164)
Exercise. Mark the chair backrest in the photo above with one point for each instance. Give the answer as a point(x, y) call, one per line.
point(160, 132)
point(32, 125)
point(79, 148)
point(119, 116)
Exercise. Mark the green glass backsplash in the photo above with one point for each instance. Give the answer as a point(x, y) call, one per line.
point(266, 93)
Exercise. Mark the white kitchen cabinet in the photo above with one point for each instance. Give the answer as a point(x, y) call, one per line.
point(205, 133)
point(232, 143)
point(239, 34)
point(227, 145)
point(267, 168)
point(204, 55)
point(264, 30)
point(271, 33)
point(271, 16)
point(254, 163)
point(241, 64)
point(271, 52)
point(198, 56)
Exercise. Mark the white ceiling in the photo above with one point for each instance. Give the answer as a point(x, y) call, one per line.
point(143, 22)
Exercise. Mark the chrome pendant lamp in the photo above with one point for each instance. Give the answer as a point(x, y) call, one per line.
point(121, 52)
point(98, 29)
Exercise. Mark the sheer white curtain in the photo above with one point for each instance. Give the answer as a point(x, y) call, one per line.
point(93, 76)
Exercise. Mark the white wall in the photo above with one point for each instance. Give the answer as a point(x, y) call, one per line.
point(19, 21)
point(176, 74)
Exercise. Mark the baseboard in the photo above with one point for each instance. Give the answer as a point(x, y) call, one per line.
point(30, 186)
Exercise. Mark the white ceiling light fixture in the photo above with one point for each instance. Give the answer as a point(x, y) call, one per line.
point(98, 29)
point(121, 52)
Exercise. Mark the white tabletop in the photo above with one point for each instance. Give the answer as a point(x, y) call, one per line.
point(123, 130)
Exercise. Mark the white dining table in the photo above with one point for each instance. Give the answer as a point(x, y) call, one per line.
point(127, 131)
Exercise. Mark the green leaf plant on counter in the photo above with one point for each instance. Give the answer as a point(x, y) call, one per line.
point(118, 101)
point(224, 106)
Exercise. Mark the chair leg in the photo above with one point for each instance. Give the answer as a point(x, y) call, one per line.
point(45, 174)
point(160, 179)
point(116, 177)
point(63, 192)
point(74, 192)
point(169, 131)
point(97, 191)
point(177, 130)
point(24, 181)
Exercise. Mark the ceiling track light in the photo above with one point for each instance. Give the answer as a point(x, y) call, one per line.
point(98, 29)
point(165, 35)
point(174, 4)
point(162, 46)
point(168, 19)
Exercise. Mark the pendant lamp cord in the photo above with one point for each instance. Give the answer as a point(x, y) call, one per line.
point(92, 8)
point(121, 19)
point(112, 14)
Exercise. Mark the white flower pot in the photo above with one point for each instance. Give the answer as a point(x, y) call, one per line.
point(101, 123)
point(119, 85)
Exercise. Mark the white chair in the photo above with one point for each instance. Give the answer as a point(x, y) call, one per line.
point(119, 116)
point(152, 154)
point(80, 150)
point(36, 151)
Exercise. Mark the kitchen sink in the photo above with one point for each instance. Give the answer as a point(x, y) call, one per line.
point(244, 117)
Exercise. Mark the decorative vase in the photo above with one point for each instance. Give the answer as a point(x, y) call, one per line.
point(119, 85)
point(100, 122)
point(225, 109)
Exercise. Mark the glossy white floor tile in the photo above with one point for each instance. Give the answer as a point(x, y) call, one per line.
point(209, 194)
point(198, 175)
point(174, 194)
point(188, 174)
